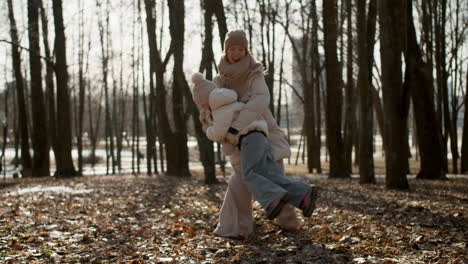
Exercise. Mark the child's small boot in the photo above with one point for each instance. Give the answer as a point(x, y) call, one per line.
point(275, 207)
point(308, 202)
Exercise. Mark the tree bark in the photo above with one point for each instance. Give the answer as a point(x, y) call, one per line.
point(22, 113)
point(365, 54)
point(350, 98)
point(334, 94)
point(464, 147)
point(442, 90)
point(206, 148)
point(420, 84)
point(65, 167)
point(81, 92)
point(175, 166)
point(39, 133)
point(378, 109)
point(49, 81)
point(317, 80)
point(307, 63)
point(105, 68)
point(390, 13)
point(221, 19)
point(178, 150)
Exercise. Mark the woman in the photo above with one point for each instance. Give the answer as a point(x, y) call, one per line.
point(239, 71)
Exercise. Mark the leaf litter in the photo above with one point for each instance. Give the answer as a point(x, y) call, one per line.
point(128, 219)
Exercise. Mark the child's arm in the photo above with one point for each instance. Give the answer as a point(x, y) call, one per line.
point(222, 119)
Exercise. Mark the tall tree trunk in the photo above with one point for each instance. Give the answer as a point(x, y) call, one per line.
point(39, 134)
point(158, 67)
point(103, 37)
point(207, 156)
point(366, 117)
point(395, 119)
point(440, 57)
point(50, 93)
point(135, 83)
point(419, 82)
point(178, 151)
point(464, 147)
point(334, 94)
point(307, 60)
point(22, 113)
point(65, 167)
point(350, 98)
point(317, 83)
point(149, 109)
point(82, 89)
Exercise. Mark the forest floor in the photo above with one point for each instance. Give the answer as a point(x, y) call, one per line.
point(160, 219)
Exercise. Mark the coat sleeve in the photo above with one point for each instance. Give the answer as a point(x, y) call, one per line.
point(257, 104)
point(216, 133)
point(222, 119)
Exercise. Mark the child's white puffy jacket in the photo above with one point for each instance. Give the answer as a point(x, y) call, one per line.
point(224, 109)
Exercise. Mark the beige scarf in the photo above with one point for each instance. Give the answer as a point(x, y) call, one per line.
point(236, 75)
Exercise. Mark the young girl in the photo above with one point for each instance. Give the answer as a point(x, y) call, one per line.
point(263, 176)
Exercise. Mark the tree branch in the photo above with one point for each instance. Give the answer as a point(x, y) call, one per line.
point(28, 50)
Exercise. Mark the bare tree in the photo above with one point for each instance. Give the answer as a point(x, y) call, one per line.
point(366, 33)
point(104, 39)
point(39, 135)
point(464, 147)
point(350, 97)
point(305, 52)
point(268, 14)
point(178, 140)
point(65, 167)
point(334, 94)
point(82, 89)
point(440, 60)
point(419, 83)
point(22, 113)
point(205, 145)
point(395, 119)
point(49, 80)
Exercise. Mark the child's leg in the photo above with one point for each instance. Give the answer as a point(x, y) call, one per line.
point(264, 175)
point(252, 159)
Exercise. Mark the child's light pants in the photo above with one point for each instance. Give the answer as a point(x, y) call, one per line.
point(263, 176)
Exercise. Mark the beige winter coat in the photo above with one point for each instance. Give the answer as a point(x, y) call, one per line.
point(257, 99)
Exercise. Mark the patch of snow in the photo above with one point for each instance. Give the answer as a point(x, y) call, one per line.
point(56, 189)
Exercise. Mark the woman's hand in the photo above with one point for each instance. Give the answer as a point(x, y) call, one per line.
point(206, 119)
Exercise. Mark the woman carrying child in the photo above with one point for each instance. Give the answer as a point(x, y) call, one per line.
point(256, 163)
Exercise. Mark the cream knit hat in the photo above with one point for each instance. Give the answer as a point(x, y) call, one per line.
point(235, 37)
point(202, 89)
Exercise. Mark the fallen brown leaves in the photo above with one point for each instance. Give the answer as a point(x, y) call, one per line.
point(127, 219)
